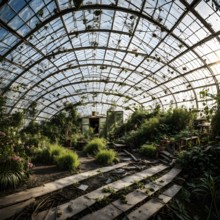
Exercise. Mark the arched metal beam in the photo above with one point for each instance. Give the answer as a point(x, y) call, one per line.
point(138, 15)
point(78, 103)
point(104, 103)
point(78, 94)
point(75, 67)
point(107, 7)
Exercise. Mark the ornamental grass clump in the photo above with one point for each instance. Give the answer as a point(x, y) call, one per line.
point(55, 150)
point(94, 146)
point(67, 160)
point(106, 157)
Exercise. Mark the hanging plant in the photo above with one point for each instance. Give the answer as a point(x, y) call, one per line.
point(160, 19)
point(41, 13)
point(89, 27)
point(77, 4)
point(97, 12)
point(103, 67)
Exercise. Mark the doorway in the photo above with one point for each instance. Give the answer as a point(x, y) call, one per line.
point(94, 124)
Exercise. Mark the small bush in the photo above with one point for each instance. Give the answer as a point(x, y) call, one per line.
point(55, 150)
point(106, 157)
point(148, 150)
point(47, 153)
point(67, 160)
point(94, 146)
point(146, 131)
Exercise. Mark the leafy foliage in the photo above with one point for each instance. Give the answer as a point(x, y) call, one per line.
point(178, 210)
point(11, 174)
point(106, 157)
point(59, 128)
point(196, 161)
point(55, 150)
point(215, 125)
point(207, 189)
point(14, 163)
point(143, 126)
point(177, 120)
point(147, 131)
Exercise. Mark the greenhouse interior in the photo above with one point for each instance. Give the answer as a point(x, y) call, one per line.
point(110, 109)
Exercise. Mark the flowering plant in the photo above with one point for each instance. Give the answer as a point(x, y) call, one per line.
point(15, 165)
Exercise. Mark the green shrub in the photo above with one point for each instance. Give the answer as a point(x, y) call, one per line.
point(146, 131)
point(94, 146)
point(47, 153)
point(148, 150)
point(197, 161)
point(55, 150)
point(67, 160)
point(106, 157)
point(177, 120)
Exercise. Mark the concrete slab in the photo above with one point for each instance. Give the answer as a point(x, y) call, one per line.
point(154, 205)
point(164, 180)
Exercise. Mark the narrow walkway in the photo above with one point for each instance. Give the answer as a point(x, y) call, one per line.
point(75, 206)
point(138, 195)
point(52, 186)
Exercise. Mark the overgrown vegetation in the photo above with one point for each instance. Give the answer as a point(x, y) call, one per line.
point(61, 128)
point(144, 126)
point(196, 161)
point(64, 159)
point(20, 145)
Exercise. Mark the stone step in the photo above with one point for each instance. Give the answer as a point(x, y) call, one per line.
point(130, 200)
point(75, 206)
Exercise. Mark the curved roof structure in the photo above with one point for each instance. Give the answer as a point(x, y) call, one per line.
point(102, 53)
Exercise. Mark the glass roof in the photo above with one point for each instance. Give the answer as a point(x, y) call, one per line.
point(106, 53)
